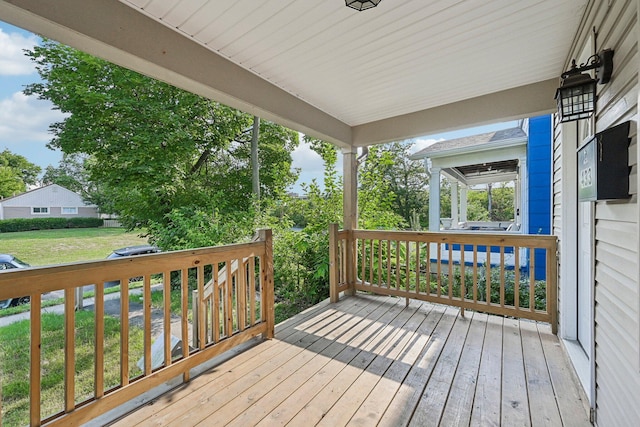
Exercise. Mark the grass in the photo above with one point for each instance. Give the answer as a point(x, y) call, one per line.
point(14, 362)
point(51, 247)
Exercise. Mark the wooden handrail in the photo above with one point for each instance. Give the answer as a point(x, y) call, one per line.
point(507, 274)
point(242, 319)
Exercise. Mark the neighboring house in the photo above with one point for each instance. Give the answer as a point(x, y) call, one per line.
point(519, 155)
point(51, 201)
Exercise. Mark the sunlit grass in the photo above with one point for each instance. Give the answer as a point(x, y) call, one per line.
point(51, 247)
point(15, 362)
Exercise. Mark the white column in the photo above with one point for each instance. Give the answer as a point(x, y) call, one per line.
point(454, 204)
point(524, 198)
point(350, 188)
point(463, 203)
point(517, 199)
point(434, 200)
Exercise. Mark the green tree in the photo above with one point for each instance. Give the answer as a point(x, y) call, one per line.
point(153, 149)
point(16, 172)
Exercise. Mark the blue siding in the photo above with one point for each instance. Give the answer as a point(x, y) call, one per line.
point(539, 168)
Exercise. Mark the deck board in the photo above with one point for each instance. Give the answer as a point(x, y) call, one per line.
point(369, 360)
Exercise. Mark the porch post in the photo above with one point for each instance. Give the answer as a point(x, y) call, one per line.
point(350, 211)
point(434, 200)
point(524, 199)
point(454, 204)
point(463, 203)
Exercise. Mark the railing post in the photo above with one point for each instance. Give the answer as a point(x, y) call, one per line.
point(351, 264)
point(268, 297)
point(334, 295)
point(552, 286)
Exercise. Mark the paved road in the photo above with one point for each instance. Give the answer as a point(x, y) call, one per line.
point(112, 309)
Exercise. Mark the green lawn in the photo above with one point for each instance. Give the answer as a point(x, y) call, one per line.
point(50, 247)
point(14, 363)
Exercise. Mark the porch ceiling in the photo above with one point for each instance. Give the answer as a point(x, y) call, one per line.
point(403, 69)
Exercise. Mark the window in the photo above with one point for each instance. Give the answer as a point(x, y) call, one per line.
point(69, 211)
point(40, 211)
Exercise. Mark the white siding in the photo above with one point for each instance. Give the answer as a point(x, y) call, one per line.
point(617, 294)
point(50, 196)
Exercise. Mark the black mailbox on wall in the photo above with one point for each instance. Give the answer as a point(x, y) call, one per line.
point(603, 165)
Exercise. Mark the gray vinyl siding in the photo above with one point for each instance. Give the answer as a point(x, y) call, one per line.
point(17, 212)
point(617, 294)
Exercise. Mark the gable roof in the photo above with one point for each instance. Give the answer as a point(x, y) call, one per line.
point(52, 195)
point(473, 143)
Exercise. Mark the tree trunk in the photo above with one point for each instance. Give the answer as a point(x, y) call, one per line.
point(255, 165)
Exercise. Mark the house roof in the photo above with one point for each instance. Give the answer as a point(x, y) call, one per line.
point(473, 143)
point(405, 68)
point(52, 195)
point(478, 159)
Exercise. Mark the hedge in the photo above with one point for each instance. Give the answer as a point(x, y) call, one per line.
point(29, 224)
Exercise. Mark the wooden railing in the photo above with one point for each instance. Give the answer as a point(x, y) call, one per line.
point(153, 344)
point(506, 274)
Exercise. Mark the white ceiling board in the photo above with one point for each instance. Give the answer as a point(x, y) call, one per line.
point(402, 58)
point(397, 58)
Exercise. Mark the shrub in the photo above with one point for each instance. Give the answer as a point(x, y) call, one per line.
point(29, 224)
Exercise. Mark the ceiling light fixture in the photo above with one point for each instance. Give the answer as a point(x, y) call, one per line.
point(360, 5)
point(576, 96)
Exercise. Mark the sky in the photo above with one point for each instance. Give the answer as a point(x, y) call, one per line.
point(25, 120)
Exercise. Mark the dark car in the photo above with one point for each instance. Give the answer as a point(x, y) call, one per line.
point(134, 250)
point(131, 251)
point(9, 262)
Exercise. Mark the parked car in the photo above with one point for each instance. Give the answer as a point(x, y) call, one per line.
point(131, 251)
point(9, 262)
point(134, 250)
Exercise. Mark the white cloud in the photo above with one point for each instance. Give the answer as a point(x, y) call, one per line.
point(24, 127)
point(13, 61)
point(421, 143)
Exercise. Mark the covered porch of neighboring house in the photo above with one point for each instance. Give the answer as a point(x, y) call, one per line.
point(479, 162)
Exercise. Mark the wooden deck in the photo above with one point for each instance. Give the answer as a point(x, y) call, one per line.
point(369, 360)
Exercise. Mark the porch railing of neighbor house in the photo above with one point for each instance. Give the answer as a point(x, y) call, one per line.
point(153, 342)
point(506, 274)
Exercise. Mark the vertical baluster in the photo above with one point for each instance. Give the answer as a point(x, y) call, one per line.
point(124, 332)
point(241, 293)
point(450, 270)
point(388, 257)
point(439, 270)
point(229, 299)
point(427, 257)
point(200, 306)
point(462, 284)
point(371, 261)
point(502, 270)
point(363, 261)
point(184, 296)
point(487, 269)
point(417, 267)
point(147, 324)
point(398, 267)
point(99, 340)
point(379, 262)
point(252, 289)
point(407, 256)
point(216, 303)
point(35, 354)
point(166, 291)
point(532, 279)
point(69, 350)
point(516, 279)
point(475, 273)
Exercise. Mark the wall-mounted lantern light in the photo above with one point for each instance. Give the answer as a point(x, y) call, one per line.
point(362, 4)
point(576, 96)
